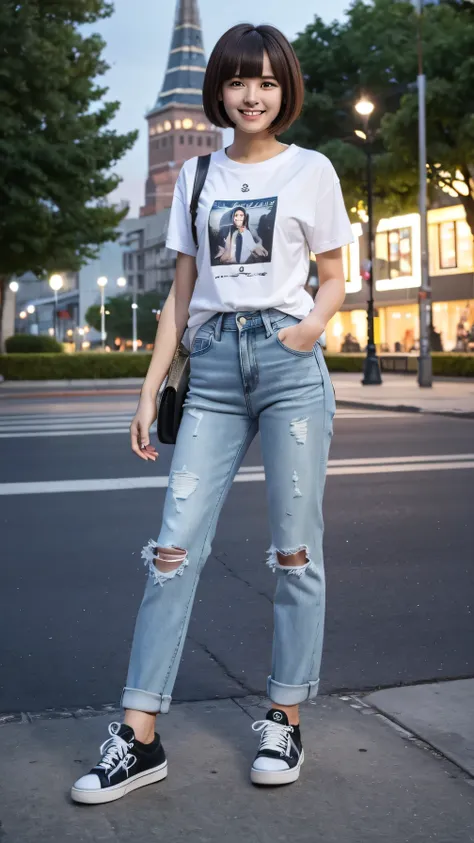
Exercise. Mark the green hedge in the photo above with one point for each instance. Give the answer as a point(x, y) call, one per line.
point(38, 367)
point(17, 367)
point(345, 362)
point(31, 344)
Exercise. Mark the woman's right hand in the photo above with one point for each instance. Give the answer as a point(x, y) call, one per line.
point(140, 429)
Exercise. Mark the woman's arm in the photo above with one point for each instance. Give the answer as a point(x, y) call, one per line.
point(328, 301)
point(171, 327)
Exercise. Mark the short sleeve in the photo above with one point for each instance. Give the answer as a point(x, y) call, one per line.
point(331, 225)
point(179, 235)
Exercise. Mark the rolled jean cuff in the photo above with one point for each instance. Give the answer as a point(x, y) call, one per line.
point(138, 700)
point(291, 694)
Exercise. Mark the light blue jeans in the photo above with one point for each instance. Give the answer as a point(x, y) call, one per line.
point(243, 379)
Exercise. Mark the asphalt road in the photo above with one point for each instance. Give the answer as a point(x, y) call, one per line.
point(399, 558)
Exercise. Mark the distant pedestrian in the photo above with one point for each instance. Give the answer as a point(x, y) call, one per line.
point(256, 364)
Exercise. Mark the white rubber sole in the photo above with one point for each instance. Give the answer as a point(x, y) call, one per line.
point(275, 777)
point(110, 794)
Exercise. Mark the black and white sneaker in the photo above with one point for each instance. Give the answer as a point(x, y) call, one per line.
point(280, 754)
point(125, 765)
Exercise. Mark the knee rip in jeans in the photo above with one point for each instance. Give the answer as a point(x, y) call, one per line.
point(164, 563)
point(291, 561)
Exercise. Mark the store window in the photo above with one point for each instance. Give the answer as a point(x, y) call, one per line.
point(465, 245)
point(346, 260)
point(447, 245)
point(393, 253)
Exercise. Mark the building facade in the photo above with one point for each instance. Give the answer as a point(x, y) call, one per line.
point(397, 274)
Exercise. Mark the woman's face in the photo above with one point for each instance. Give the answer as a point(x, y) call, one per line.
point(239, 219)
point(253, 104)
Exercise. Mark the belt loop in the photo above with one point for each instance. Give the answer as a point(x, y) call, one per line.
point(218, 328)
point(267, 322)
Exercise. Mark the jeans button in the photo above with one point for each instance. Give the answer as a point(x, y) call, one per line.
point(242, 320)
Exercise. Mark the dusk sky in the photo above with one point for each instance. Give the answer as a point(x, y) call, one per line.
point(138, 39)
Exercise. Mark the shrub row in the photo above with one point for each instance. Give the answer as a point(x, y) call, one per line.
point(38, 367)
point(17, 367)
point(31, 344)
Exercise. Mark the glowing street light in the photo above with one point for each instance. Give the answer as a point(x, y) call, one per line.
point(56, 282)
point(14, 286)
point(364, 107)
point(23, 314)
point(121, 282)
point(372, 376)
point(31, 308)
point(134, 325)
point(102, 282)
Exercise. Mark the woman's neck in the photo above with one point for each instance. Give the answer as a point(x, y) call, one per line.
point(252, 149)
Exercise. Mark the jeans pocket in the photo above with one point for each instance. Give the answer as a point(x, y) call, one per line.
point(294, 351)
point(201, 344)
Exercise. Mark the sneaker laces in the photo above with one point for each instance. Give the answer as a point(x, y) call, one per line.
point(275, 736)
point(114, 752)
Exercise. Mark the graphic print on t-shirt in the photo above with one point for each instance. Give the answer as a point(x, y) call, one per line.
point(241, 232)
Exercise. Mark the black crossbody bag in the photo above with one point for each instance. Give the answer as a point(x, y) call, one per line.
point(170, 410)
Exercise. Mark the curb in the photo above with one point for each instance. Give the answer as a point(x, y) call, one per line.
point(403, 408)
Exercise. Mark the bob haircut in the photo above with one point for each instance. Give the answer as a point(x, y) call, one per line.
point(239, 52)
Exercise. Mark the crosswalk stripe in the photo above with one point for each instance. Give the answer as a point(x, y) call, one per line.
point(248, 474)
point(40, 426)
point(51, 433)
point(9, 421)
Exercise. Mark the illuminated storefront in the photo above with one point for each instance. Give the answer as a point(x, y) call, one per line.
point(397, 274)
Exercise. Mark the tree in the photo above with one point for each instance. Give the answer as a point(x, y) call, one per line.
point(119, 319)
point(374, 52)
point(56, 147)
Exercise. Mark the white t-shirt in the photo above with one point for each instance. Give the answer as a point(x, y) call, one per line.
point(256, 225)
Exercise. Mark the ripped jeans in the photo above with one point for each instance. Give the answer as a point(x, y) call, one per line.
point(243, 379)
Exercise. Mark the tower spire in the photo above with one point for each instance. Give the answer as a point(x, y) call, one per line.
point(184, 75)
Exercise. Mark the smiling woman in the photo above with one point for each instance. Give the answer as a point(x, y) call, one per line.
point(259, 79)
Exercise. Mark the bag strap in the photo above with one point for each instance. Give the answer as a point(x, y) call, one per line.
point(199, 179)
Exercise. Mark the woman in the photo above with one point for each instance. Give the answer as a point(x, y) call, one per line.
point(239, 243)
point(256, 364)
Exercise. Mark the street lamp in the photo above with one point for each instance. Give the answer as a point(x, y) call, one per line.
point(134, 325)
point(56, 282)
point(121, 282)
point(14, 286)
point(425, 366)
point(372, 374)
point(102, 281)
point(31, 308)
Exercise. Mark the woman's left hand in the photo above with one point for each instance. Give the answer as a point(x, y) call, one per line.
point(298, 337)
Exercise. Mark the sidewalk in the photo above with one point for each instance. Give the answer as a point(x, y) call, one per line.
point(401, 392)
point(363, 781)
point(397, 392)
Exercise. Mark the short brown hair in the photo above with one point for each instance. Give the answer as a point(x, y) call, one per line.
point(240, 52)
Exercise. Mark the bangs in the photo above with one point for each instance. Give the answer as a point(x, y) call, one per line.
point(246, 59)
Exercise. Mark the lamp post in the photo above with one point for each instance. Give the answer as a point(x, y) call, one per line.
point(56, 282)
point(425, 367)
point(134, 322)
point(121, 282)
point(102, 281)
point(372, 374)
